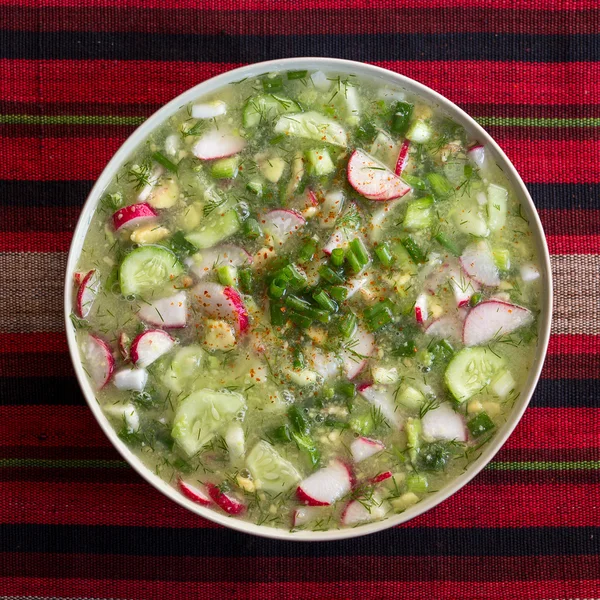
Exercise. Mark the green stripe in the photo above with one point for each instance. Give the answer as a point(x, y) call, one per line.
point(537, 122)
point(63, 464)
point(70, 120)
point(545, 466)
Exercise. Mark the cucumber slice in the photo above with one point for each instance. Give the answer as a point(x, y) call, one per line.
point(418, 214)
point(148, 268)
point(265, 108)
point(270, 470)
point(202, 415)
point(470, 371)
point(313, 126)
point(468, 218)
point(320, 162)
point(184, 368)
point(215, 230)
point(497, 205)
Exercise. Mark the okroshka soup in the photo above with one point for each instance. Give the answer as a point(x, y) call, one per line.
point(308, 300)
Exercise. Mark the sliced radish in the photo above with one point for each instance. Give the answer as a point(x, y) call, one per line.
point(305, 514)
point(421, 313)
point(382, 398)
point(362, 448)
point(478, 262)
point(476, 154)
point(529, 273)
point(170, 312)
point(124, 345)
point(87, 292)
point(491, 319)
point(326, 485)
point(152, 181)
point(331, 208)
point(150, 346)
point(445, 327)
point(209, 110)
point(99, 360)
point(363, 511)
point(222, 302)
point(218, 143)
point(282, 222)
point(381, 477)
point(134, 215)
point(131, 379)
point(229, 503)
point(325, 365)
point(211, 258)
point(355, 284)
point(443, 423)
point(79, 276)
point(338, 239)
point(357, 351)
point(372, 179)
point(402, 157)
point(197, 492)
point(463, 287)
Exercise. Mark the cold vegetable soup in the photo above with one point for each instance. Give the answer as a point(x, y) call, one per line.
point(308, 300)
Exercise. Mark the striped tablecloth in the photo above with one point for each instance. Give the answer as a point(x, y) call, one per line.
point(76, 76)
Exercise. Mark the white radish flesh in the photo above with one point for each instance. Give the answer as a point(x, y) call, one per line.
point(331, 208)
point(152, 181)
point(362, 448)
point(205, 261)
point(131, 379)
point(478, 262)
point(149, 346)
point(356, 352)
point(476, 155)
point(382, 398)
point(373, 180)
point(87, 293)
point(492, 319)
point(282, 223)
point(222, 303)
point(168, 312)
point(529, 273)
point(196, 492)
point(209, 110)
point(446, 327)
point(218, 143)
point(443, 423)
point(134, 215)
point(327, 485)
point(365, 511)
point(99, 361)
point(338, 239)
point(306, 514)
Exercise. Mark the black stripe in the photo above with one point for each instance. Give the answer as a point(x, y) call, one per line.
point(417, 541)
point(74, 193)
point(28, 391)
point(249, 49)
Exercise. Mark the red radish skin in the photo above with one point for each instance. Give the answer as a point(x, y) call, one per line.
point(381, 477)
point(99, 360)
point(421, 314)
point(197, 492)
point(78, 276)
point(327, 485)
point(362, 448)
point(218, 144)
point(224, 501)
point(372, 179)
point(86, 294)
point(491, 319)
point(402, 157)
point(443, 423)
point(338, 239)
point(228, 254)
point(312, 198)
point(170, 312)
point(131, 216)
point(222, 303)
point(124, 345)
point(150, 346)
point(476, 154)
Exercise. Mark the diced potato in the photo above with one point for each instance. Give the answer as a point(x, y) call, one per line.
point(149, 234)
point(422, 111)
point(317, 334)
point(246, 484)
point(301, 377)
point(435, 308)
point(405, 501)
point(272, 168)
point(491, 408)
point(220, 335)
point(191, 217)
point(474, 407)
point(165, 194)
point(262, 257)
point(384, 375)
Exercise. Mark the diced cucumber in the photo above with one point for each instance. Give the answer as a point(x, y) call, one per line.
point(148, 268)
point(501, 258)
point(470, 371)
point(255, 187)
point(497, 205)
point(362, 424)
point(417, 483)
point(236, 441)
point(503, 384)
point(469, 220)
point(227, 275)
point(419, 132)
point(270, 471)
point(313, 126)
point(214, 230)
point(418, 214)
point(410, 397)
point(266, 107)
point(480, 424)
point(320, 162)
point(402, 116)
point(413, 429)
point(185, 368)
point(202, 415)
point(225, 168)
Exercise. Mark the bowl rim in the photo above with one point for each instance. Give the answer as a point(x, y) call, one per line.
point(341, 66)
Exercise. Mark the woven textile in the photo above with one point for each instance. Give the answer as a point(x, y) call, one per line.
point(76, 77)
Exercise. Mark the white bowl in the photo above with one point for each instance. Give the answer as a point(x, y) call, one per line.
point(338, 66)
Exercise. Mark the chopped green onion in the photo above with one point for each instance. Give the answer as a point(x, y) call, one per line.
point(338, 292)
point(307, 252)
point(255, 187)
point(324, 301)
point(384, 255)
point(366, 131)
point(337, 257)
point(348, 325)
point(357, 246)
point(346, 389)
point(330, 275)
point(291, 75)
point(417, 483)
point(407, 348)
point(501, 258)
point(475, 299)
point(245, 280)
point(227, 275)
point(272, 84)
point(306, 444)
point(374, 310)
point(302, 307)
point(225, 168)
point(417, 255)
point(161, 159)
point(277, 314)
point(252, 229)
point(401, 117)
point(414, 182)
point(296, 277)
point(380, 319)
point(440, 186)
point(443, 240)
point(277, 287)
point(353, 262)
point(298, 362)
point(300, 320)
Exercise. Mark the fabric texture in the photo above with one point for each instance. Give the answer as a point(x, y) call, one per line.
point(76, 77)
